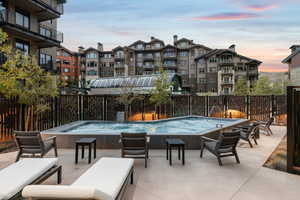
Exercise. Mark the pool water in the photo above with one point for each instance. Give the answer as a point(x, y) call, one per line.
point(176, 126)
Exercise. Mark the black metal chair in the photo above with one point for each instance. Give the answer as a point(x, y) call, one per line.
point(223, 147)
point(134, 145)
point(31, 142)
point(265, 126)
point(248, 133)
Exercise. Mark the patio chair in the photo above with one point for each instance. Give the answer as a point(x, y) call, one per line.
point(265, 126)
point(107, 179)
point(134, 145)
point(223, 147)
point(25, 172)
point(31, 143)
point(248, 133)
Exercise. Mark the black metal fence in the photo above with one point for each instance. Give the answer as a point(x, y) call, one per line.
point(67, 108)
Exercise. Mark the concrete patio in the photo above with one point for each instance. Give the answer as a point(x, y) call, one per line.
point(199, 178)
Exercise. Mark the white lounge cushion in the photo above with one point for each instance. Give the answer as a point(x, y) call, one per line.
point(103, 181)
point(63, 192)
point(16, 176)
point(107, 175)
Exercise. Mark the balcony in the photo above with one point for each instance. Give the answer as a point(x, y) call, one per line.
point(44, 38)
point(227, 71)
point(253, 72)
point(119, 66)
point(226, 62)
point(148, 66)
point(119, 57)
point(170, 56)
point(226, 82)
point(148, 58)
point(42, 9)
point(170, 66)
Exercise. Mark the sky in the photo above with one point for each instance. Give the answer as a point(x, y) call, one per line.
point(260, 29)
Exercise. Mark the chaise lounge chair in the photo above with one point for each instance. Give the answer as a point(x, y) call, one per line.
point(26, 172)
point(105, 180)
point(31, 143)
point(223, 147)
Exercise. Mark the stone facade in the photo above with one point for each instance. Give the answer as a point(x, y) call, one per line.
point(202, 69)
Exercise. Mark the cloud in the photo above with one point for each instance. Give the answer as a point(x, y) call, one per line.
point(228, 16)
point(259, 8)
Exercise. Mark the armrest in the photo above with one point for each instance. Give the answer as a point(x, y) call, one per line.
point(208, 139)
point(63, 192)
point(50, 138)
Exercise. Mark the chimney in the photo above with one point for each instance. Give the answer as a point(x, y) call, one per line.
point(80, 49)
point(232, 48)
point(99, 46)
point(152, 38)
point(175, 37)
point(295, 48)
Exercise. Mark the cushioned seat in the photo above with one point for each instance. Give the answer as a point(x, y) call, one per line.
point(16, 176)
point(103, 181)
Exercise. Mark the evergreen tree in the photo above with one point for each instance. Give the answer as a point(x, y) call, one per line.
point(241, 87)
point(263, 86)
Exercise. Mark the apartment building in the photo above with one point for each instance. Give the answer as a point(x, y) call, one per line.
point(201, 68)
point(293, 61)
point(67, 63)
point(31, 26)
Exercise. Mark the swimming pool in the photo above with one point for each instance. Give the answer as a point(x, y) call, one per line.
point(177, 126)
point(107, 133)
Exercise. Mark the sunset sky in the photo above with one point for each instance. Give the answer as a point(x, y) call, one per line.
point(261, 29)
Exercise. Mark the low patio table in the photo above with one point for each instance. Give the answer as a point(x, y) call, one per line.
point(175, 142)
point(85, 142)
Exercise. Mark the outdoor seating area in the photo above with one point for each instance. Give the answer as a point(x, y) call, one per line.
point(198, 177)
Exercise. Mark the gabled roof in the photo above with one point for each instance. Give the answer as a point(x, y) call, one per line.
point(157, 40)
point(290, 57)
point(118, 48)
point(221, 51)
point(137, 42)
point(67, 50)
point(91, 48)
point(169, 46)
point(201, 46)
point(183, 39)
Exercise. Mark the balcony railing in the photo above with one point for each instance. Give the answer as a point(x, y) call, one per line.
point(226, 81)
point(51, 33)
point(227, 71)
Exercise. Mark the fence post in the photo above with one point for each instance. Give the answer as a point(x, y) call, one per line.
point(273, 106)
point(225, 102)
point(248, 106)
point(206, 106)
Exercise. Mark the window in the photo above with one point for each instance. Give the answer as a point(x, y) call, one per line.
point(92, 73)
point(66, 70)
point(201, 70)
point(66, 62)
point(22, 19)
point(45, 32)
point(23, 46)
point(45, 59)
point(213, 60)
point(139, 55)
point(183, 53)
point(157, 55)
point(193, 53)
point(92, 55)
point(157, 45)
point(107, 55)
point(139, 46)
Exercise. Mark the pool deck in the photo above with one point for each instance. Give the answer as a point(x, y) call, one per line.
point(199, 178)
